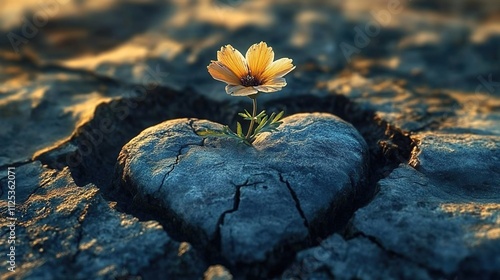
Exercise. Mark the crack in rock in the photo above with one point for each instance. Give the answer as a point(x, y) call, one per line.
point(236, 205)
point(180, 153)
point(176, 162)
point(296, 200)
point(231, 235)
point(190, 123)
point(203, 139)
point(375, 241)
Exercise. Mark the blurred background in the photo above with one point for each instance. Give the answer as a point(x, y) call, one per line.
point(411, 61)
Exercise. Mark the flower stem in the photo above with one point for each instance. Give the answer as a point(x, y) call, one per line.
point(254, 112)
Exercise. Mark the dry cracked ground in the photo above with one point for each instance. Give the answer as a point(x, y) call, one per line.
point(100, 102)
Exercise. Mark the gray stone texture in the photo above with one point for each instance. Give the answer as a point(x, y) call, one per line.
point(255, 201)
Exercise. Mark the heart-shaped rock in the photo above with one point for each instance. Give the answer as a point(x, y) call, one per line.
point(251, 203)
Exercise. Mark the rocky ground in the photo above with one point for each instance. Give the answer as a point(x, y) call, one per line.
point(100, 102)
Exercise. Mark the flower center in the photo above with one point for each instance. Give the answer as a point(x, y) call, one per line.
point(249, 81)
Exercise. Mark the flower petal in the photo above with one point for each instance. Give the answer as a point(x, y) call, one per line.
point(221, 73)
point(272, 85)
point(233, 60)
point(277, 82)
point(240, 90)
point(277, 69)
point(259, 56)
point(267, 88)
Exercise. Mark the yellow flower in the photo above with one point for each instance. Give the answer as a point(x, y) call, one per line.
point(246, 76)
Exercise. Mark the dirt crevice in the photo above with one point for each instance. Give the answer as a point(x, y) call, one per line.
point(388, 145)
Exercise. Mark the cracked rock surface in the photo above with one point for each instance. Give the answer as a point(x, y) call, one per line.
point(251, 204)
point(419, 80)
point(63, 229)
point(415, 228)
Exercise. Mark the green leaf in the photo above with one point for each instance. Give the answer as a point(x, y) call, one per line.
point(268, 124)
point(260, 126)
point(279, 116)
point(204, 132)
point(273, 115)
point(261, 114)
point(264, 123)
point(239, 130)
point(246, 115)
point(209, 132)
point(226, 132)
point(229, 132)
